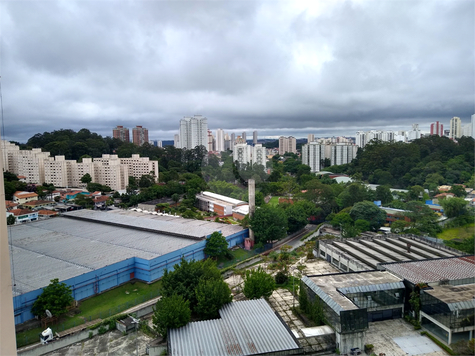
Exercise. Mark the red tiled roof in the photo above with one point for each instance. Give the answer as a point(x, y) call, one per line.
point(47, 212)
point(20, 194)
point(427, 271)
point(100, 199)
point(18, 212)
point(9, 204)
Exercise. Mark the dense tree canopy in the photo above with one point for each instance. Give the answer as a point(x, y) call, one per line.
point(268, 223)
point(257, 284)
point(370, 212)
point(171, 312)
point(216, 245)
point(56, 298)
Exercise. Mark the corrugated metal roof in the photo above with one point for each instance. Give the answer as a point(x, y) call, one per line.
point(245, 328)
point(466, 304)
point(323, 296)
point(371, 288)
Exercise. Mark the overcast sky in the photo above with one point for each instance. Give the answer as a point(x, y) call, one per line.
point(279, 67)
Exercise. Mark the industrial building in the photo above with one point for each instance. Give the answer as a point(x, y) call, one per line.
point(367, 253)
point(217, 203)
point(93, 251)
point(350, 300)
point(245, 328)
point(447, 294)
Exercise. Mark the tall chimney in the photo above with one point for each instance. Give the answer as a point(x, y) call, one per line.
point(251, 186)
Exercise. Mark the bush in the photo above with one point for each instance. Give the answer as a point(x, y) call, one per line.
point(102, 330)
point(281, 278)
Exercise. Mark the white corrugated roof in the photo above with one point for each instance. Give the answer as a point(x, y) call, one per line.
point(246, 328)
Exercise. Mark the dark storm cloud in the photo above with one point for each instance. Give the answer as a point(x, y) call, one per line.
point(282, 68)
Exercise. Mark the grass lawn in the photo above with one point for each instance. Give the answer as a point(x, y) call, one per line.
point(101, 306)
point(457, 233)
point(238, 256)
point(274, 201)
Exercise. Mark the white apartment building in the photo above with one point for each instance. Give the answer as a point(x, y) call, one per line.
point(220, 140)
point(193, 132)
point(342, 153)
point(287, 144)
point(455, 128)
point(28, 163)
point(139, 166)
point(108, 170)
point(312, 155)
point(244, 153)
point(259, 155)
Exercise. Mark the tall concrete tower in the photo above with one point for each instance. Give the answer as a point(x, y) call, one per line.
point(7, 321)
point(251, 186)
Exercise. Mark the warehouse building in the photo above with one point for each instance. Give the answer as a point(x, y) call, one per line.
point(93, 251)
point(368, 252)
point(217, 203)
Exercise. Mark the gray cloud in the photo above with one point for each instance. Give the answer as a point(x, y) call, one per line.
point(291, 68)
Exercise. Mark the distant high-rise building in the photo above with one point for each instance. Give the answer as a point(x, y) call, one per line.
point(313, 154)
point(220, 140)
point(176, 141)
point(233, 140)
point(159, 143)
point(310, 138)
point(436, 128)
point(472, 123)
point(455, 128)
point(211, 142)
point(244, 136)
point(342, 153)
point(415, 133)
point(194, 132)
point(122, 133)
point(139, 135)
point(254, 137)
point(287, 144)
point(227, 142)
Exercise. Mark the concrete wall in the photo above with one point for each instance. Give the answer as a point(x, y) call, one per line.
point(100, 280)
point(346, 342)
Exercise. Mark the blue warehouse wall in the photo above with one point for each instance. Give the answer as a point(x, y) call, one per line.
point(100, 280)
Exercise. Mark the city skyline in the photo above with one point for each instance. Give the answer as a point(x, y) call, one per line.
point(338, 72)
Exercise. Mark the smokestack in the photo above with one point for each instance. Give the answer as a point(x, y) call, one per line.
point(251, 186)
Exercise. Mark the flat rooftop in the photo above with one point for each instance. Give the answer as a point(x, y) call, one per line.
point(427, 271)
point(64, 248)
point(453, 294)
point(330, 284)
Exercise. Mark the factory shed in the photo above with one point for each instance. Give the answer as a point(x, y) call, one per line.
point(246, 328)
point(94, 251)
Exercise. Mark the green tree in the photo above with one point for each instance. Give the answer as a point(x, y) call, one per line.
point(86, 178)
point(146, 181)
point(370, 212)
point(362, 225)
point(11, 219)
point(216, 245)
point(298, 214)
point(185, 277)
point(268, 223)
point(341, 219)
point(454, 207)
point(56, 297)
point(257, 284)
point(211, 296)
point(458, 191)
point(399, 226)
point(170, 313)
point(383, 193)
